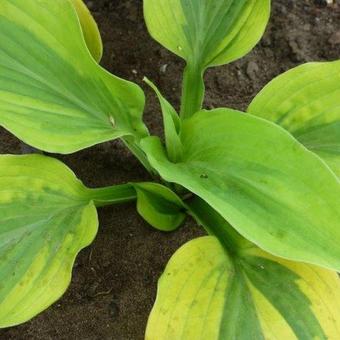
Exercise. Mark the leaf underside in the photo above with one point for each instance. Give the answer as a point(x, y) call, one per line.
point(159, 206)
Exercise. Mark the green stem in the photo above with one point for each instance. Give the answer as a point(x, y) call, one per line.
point(216, 225)
point(139, 154)
point(116, 194)
point(192, 90)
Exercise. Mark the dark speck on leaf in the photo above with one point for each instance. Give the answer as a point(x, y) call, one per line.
point(204, 176)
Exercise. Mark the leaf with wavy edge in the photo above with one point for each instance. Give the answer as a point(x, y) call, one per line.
point(306, 102)
point(46, 218)
point(53, 95)
point(269, 187)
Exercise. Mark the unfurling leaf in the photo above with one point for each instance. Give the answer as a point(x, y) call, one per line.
point(259, 178)
point(90, 30)
point(305, 101)
point(46, 218)
point(207, 293)
point(172, 126)
point(159, 206)
point(53, 94)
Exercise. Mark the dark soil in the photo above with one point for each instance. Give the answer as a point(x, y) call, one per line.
point(114, 280)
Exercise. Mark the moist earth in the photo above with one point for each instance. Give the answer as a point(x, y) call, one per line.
point(114, 280)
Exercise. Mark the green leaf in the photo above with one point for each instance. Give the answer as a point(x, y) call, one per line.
point(53, 95)
point(305, 101)
point(90, 30)
point(258, 177)
point(207, 293)
point(207, 33)
point(46, 218)
point(333, 160)
point(159, 206)
point(172, 126)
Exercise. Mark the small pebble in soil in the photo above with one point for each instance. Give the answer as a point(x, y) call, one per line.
point(252, 69)
point(307, 27)
point(163, 68)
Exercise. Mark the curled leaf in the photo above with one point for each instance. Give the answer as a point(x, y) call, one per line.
point(159, 206)
point(90, 30)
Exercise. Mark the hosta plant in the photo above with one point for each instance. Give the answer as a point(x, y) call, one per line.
point(263, 184)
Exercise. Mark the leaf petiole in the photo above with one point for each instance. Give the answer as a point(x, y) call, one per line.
point(214, 224)
point(116, 194)
point(139, 154)
point(192, 90)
